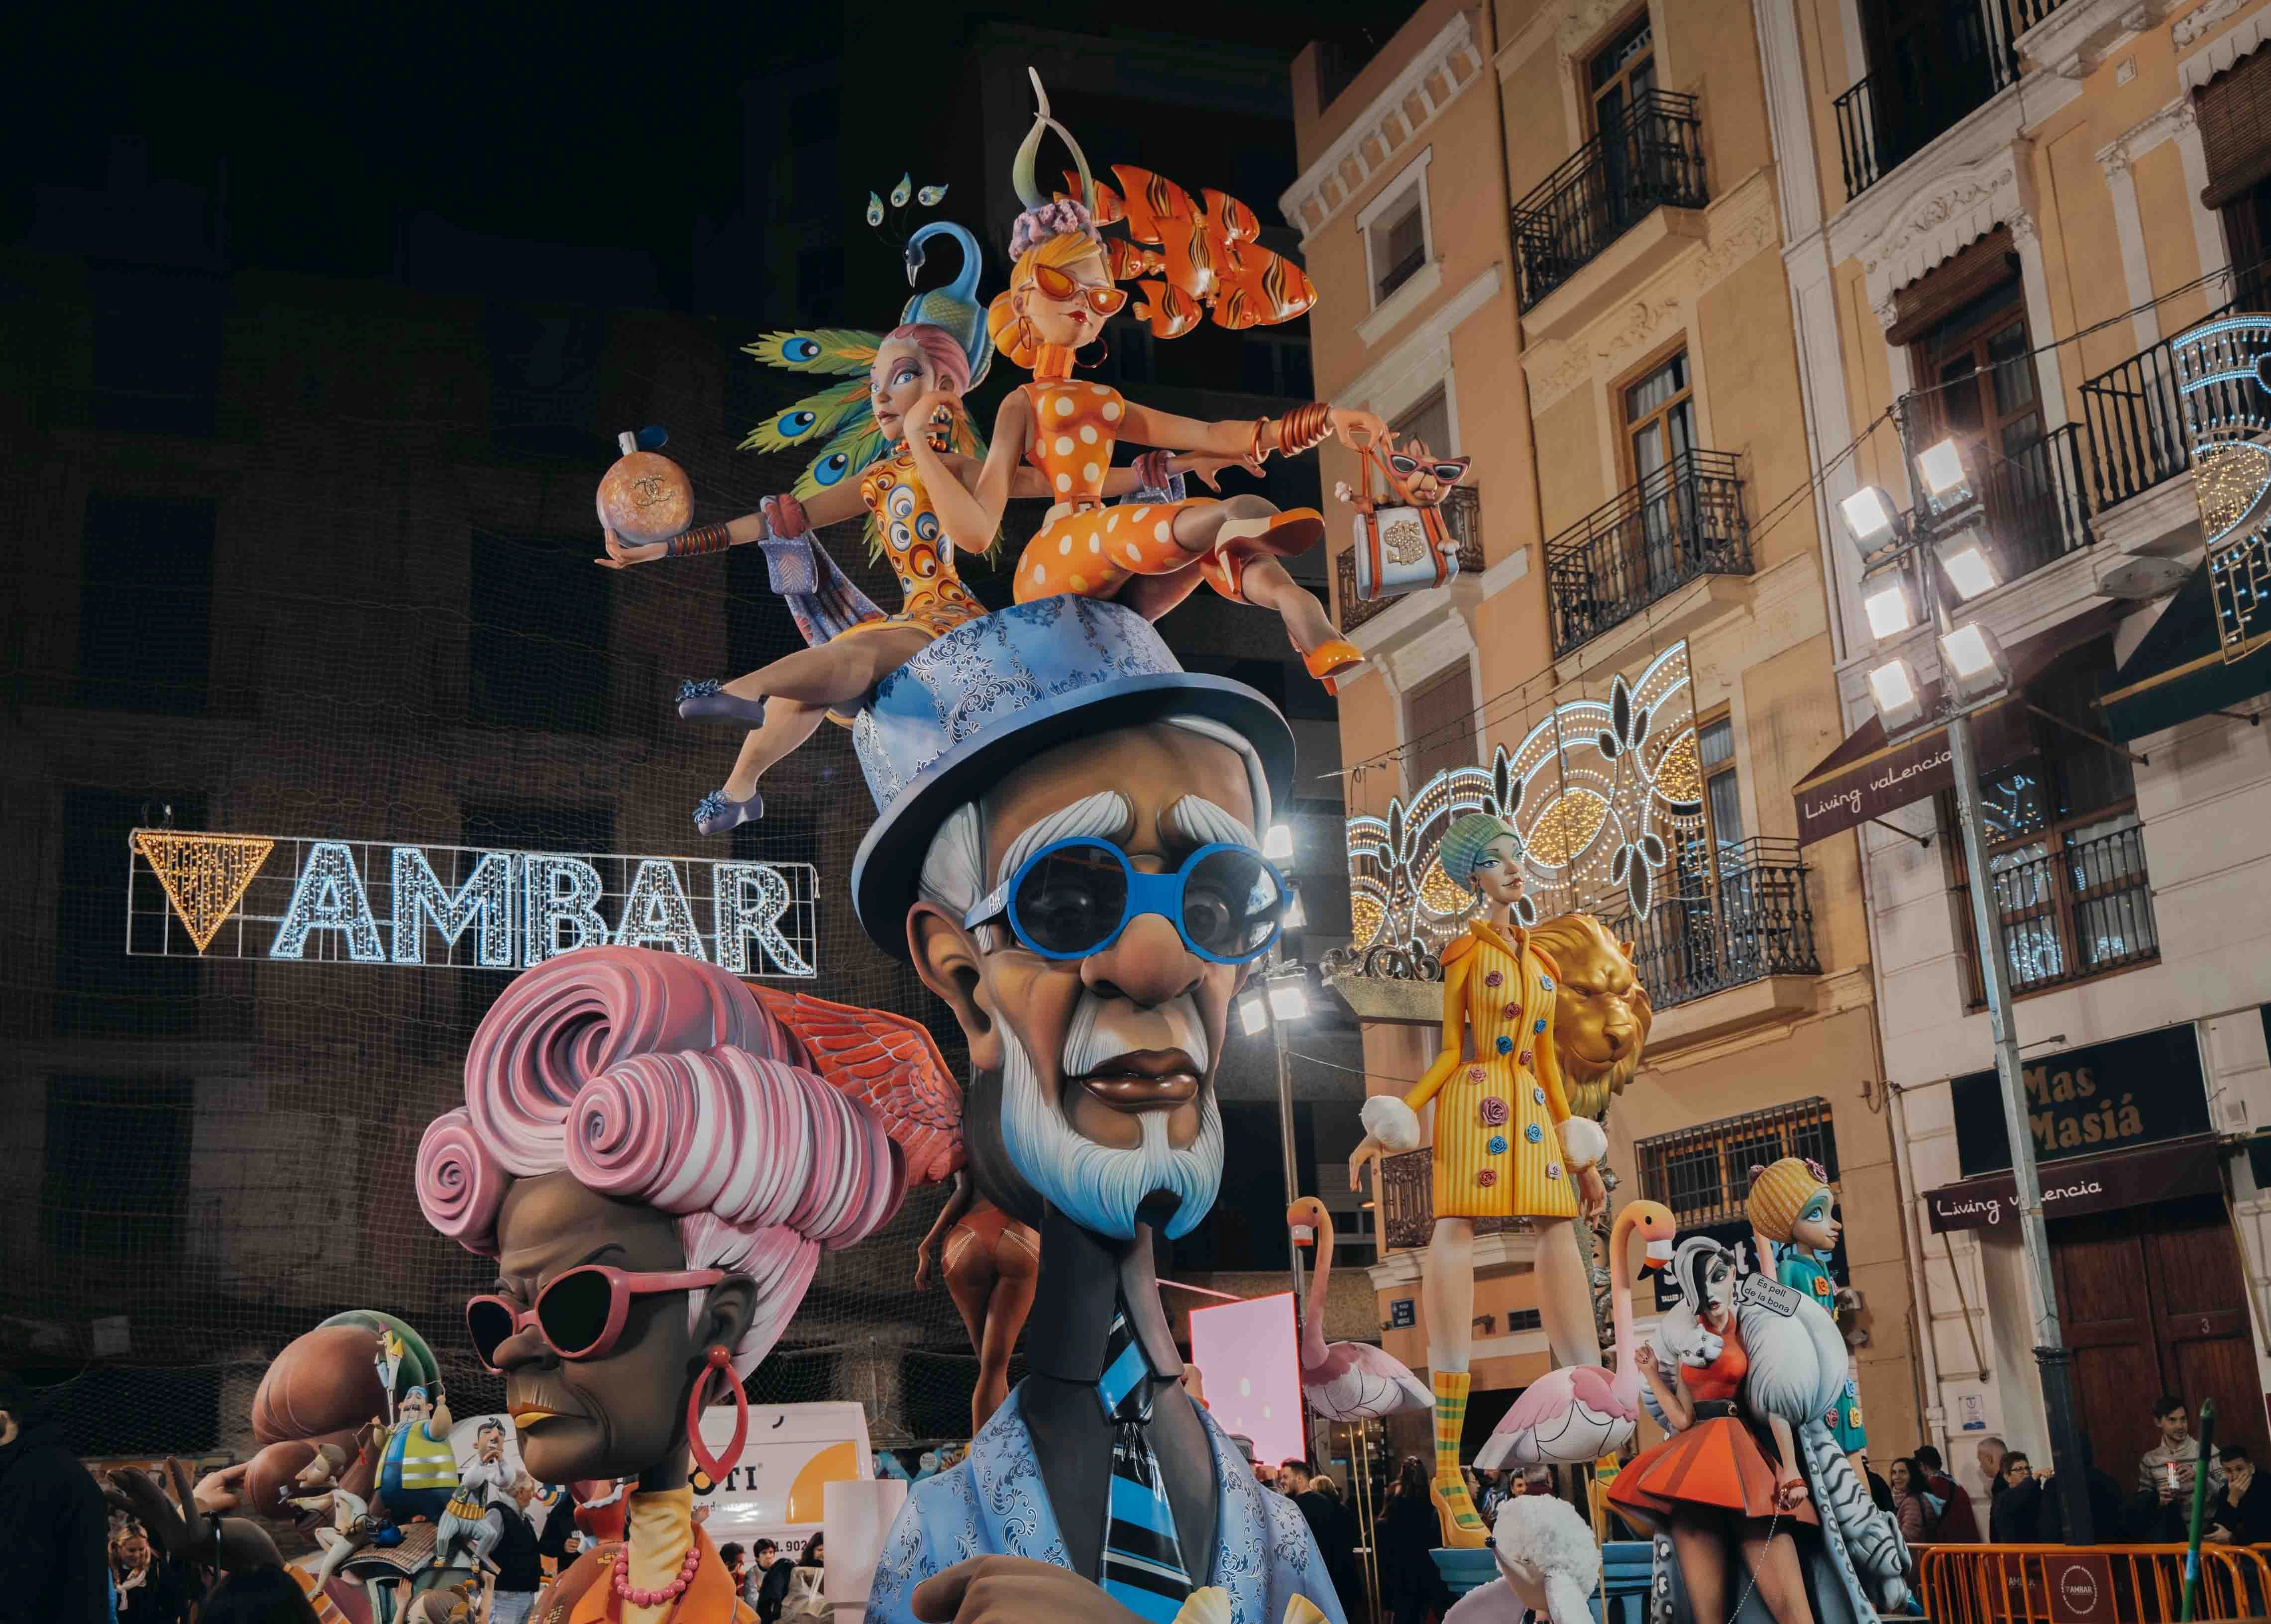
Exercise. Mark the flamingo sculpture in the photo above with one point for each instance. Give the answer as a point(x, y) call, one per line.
point(1580, 1412)
point(1347, 1381)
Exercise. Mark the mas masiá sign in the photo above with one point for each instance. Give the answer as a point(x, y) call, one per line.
point(2130, 1091)
point(195, 894)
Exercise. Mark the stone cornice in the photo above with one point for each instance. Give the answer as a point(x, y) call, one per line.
point(2078, 38)
point(1385, 127)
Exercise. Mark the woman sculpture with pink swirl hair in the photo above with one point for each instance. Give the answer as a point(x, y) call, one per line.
point(646, 1155)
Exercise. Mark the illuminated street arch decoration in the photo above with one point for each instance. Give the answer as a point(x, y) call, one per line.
point(2220, 373)
point(1605, 793)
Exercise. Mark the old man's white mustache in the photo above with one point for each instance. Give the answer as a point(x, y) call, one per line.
point(1107, 1028)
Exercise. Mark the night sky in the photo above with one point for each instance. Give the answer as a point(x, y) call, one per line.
point(572, 126)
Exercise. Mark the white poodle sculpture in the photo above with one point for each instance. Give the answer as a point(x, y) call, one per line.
point(1547, 1562)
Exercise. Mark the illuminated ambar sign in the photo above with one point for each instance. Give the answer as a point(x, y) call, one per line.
point(196, 894)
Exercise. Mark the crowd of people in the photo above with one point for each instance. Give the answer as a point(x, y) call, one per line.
point(2025, 1508)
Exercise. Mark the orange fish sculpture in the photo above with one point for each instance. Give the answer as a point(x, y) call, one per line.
point(1170, 312)
point(1126, 262)
point(1154, 204)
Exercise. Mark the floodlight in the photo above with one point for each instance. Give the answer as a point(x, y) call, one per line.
point(1964, 555)
point(1277, 845)
point(1974, 660)
point(1869, 518)
point(1885, 599)
point(1252, 1014)
point(1945, 481)
point(1898, 696)
point(1289, 999)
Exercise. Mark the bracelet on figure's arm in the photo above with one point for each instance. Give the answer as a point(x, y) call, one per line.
point(1304, 428)
point(1257, 453)
point(701, 538)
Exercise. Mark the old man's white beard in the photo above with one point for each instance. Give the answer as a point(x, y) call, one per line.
point(1100, 1187)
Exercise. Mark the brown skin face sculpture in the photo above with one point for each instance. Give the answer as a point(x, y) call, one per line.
point(624, 1413)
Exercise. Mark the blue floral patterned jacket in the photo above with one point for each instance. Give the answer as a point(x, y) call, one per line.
point(993, 1504)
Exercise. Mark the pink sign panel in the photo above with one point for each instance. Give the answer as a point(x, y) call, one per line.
point(1246, 1356)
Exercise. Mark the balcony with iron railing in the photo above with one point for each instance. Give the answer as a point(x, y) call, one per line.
point(1681, 522)
point(1937, 77)
point(2072, 909)
point(1463, 521)
point(1745, 914)
point(2037, 501)
point(1650, 158)
point(2136, 416)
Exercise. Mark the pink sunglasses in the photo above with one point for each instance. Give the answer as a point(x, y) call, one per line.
point(579, 1315)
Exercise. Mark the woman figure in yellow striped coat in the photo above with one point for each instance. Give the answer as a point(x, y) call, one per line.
point(1506, 1144)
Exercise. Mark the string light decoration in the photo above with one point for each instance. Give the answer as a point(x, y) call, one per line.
point(2220, 377)
point(1601, 794)
point(483, 904)
point(329, 900)
point(204, 876)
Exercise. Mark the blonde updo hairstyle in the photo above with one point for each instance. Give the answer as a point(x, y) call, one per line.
point(1055, 232)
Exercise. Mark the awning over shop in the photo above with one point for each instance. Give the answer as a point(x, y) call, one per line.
point(1869, 775)
point(2081, 1184)
point(2178, 671)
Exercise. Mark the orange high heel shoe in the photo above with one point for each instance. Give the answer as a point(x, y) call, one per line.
point(1331, 660)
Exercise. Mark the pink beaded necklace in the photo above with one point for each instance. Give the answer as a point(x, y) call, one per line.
point(670, 1592)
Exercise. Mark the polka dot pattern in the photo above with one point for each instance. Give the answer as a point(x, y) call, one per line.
point(1073, 450)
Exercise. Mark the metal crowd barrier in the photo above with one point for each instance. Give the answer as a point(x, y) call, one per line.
point(2087, 1584)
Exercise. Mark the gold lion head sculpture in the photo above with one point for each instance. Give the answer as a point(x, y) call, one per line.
point(1601, 1016)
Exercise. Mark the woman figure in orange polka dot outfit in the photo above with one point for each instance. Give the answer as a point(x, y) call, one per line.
point(1150, 558)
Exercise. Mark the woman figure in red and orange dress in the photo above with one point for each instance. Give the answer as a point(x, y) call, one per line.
point(1726, 1486)
point(1149, 557)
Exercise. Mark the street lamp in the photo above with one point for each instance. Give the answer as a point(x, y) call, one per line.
point(1280, 995)
point(1944, 539)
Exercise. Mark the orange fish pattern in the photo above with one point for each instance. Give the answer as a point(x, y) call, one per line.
point(1498, 1116)
point(1086, 547)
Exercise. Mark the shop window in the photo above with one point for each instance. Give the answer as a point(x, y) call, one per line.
point(1429, 422)
point(2065, 845)
point(1703, 1173)
point(145, 604)
point(1397, 236)
point(1399, 248)
point(537, 661)
point(157, 348)
point(1438, 725)
point(114, 1186)
point(1620, 75)
point(2235, 141)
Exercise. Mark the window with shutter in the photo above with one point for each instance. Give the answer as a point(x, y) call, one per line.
point(1438, 725)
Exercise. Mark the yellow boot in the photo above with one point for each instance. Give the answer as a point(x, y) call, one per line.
point(1463, 1529)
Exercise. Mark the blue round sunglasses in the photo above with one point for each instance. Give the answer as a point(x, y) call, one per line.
point(1074, 897)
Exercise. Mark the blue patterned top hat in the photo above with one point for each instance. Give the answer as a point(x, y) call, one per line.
point(992, 695)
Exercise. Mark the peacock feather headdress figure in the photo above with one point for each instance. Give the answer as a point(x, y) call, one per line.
point(839, 421)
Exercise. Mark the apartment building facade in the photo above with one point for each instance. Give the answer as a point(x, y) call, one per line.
point(2000, 222)
point(1550, 237)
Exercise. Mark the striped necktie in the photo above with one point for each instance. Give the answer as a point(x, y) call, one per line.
point(1144, 1567)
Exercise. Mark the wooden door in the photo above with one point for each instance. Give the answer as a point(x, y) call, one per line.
point(2152, 1300)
